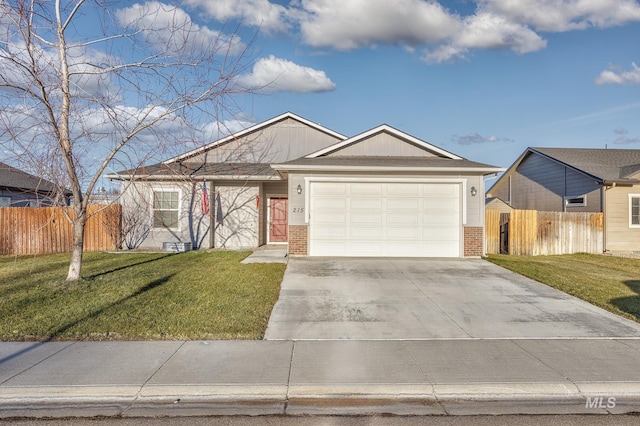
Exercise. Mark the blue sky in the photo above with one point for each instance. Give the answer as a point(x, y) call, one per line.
point(532, 75)
point(484, 79)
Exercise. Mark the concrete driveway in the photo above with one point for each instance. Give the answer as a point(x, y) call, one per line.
point(358, 298)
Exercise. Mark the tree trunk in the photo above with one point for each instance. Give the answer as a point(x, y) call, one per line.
point(79, 221)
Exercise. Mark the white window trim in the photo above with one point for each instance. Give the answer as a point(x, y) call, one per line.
point(631, 197)
point(583, 204)
point(153, 210)
point(5, 198)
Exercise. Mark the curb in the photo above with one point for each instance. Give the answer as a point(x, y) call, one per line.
point(361, 399)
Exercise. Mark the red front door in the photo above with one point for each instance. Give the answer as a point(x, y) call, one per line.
point(278, 228)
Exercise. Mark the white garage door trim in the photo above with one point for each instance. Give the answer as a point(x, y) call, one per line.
point(363, 238)
point(309, 179)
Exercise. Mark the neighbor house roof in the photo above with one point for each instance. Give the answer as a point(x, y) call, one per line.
point(605, 165)
point(10, 177)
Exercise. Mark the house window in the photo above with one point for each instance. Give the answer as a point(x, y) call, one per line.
point(634, 210)
point(578, 201)
point(5, 201)
point(165, 209)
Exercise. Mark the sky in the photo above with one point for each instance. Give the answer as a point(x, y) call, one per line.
point(484, 79)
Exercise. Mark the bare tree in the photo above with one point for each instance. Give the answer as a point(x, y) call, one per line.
point(87, 88)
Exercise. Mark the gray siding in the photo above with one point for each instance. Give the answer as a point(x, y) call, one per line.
point(541, 184)
point(280, 142)
point(137, 210)
point(383, 145)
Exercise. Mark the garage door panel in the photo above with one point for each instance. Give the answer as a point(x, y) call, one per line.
point(366, 248)
point(367, 233)
point(404, 248)
point(325, 203)
point(366, 203)
point(329, 248)
point(403, 218)
point(441, 219)
point(329, 232)
point(356, 189)
point(403, 203)
point(403, 233)
point(330, 218)
point(385, 219)
point(441, 190)
point(440, 233)
point(358, 218)
point(451, 205)
point(401, 189)
point(330, 188)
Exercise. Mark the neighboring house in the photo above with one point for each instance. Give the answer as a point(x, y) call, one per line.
point(579, 180)
point(494, 203)
point(289, 180)
point(21, 189)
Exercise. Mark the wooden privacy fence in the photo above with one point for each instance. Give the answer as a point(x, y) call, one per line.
point(41, 230)
point(530, 232)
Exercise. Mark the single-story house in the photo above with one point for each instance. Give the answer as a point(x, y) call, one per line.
point(579, 180)
point(291, 181)
point(21, 189)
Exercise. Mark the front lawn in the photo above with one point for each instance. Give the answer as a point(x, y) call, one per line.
point(613, 283)
point(137, 296)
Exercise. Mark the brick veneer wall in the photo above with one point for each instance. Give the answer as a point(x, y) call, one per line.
point(473, 241)
point(298, 240)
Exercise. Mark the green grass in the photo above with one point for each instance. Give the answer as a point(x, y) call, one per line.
point(137, 296)
point(613, 283)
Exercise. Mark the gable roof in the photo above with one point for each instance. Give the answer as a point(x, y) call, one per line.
point(11, 177)
point(384, 128)
point(607, 166)
point(252, 129)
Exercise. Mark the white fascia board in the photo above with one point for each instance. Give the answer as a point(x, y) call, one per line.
point(487, 170)
point(253, 129)
point(384, 128)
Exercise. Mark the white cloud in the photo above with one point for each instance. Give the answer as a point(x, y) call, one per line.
point(623, 137)
point(280, 75)
point(476, 138)
point(268, 16)
point(347, 25)
point(622, 78)
point(170, 29)
point(486, 31)
point(565, 15)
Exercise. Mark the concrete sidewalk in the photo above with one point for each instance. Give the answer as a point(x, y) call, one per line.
point(177, 378)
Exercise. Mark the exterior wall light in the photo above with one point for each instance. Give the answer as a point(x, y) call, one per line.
point(474, 191)
point(299, 189)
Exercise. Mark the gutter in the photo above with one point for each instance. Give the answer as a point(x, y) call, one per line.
point(330, 168)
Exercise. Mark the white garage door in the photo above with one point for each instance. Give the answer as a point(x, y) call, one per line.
point(385, 219)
